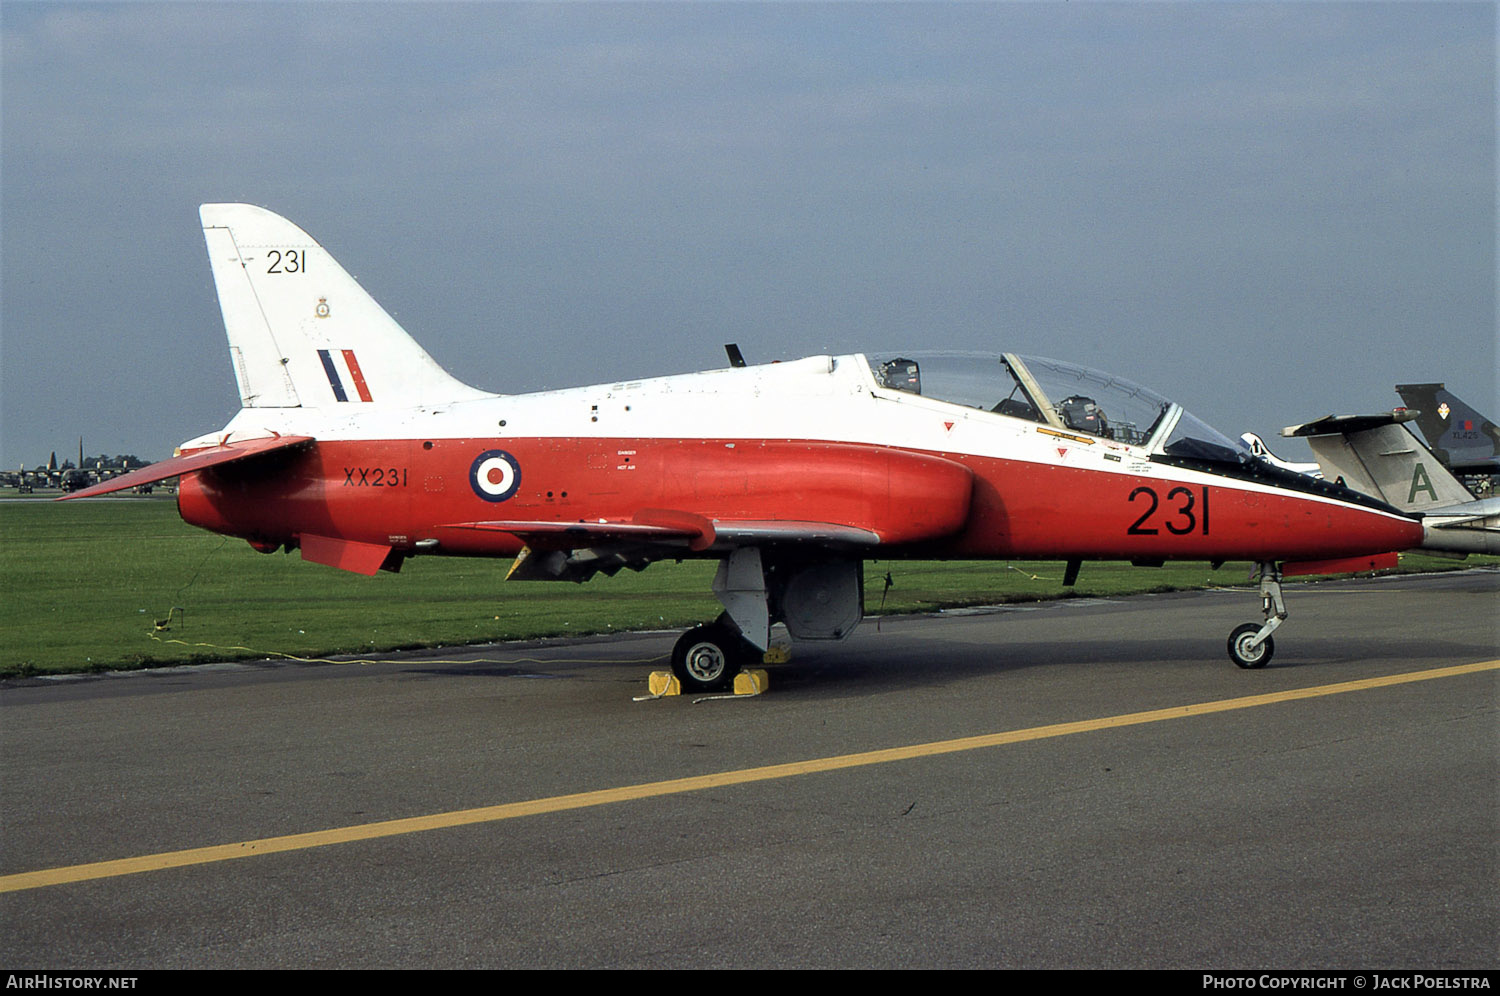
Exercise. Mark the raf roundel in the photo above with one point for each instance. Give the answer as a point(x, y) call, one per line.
point(495, 475)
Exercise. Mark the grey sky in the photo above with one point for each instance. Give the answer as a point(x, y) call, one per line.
point(1267, 212)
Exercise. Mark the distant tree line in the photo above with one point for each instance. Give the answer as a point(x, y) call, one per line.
point(118, 464)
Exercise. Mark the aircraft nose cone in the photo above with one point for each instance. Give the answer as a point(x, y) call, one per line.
point(1355, 523)
point(1382, 532)
point(1411, 533)
point(1301, 524)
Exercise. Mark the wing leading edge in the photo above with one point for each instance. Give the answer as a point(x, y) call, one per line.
point(575, 551)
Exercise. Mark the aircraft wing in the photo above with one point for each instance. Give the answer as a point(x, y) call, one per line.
point(214, 456)
point(676, 528)
point(548, 535)
point(575, 551)
point(743, 532)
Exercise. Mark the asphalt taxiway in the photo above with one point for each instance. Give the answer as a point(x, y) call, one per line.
point(1076, 783)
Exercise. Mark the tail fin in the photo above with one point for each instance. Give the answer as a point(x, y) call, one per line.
point(1261, 451)
point(302, 332)
point(1379, 456)
point(1459, 436)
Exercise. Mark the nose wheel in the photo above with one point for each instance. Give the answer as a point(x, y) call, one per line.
point(1247, 653)
point(1250, 645)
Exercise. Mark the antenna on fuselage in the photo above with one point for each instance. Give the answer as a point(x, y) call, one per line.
point(733, 350)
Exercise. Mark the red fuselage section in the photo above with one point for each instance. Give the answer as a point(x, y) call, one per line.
point(400, 493)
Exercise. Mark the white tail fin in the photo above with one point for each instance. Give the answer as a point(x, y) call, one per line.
point(302, 332)
point(1389, 463)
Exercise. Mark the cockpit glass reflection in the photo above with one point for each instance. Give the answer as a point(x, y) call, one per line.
point(1051, 392)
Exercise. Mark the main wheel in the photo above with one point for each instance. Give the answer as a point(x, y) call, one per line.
point(706, 658)
point(1243, 654)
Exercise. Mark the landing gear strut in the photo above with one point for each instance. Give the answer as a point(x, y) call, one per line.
point(1250, 645)
point(817, 599)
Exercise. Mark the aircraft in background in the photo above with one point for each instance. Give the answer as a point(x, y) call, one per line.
point(1462, 439)
point(1379, 456)
point(1261, 451)
point(354, 447)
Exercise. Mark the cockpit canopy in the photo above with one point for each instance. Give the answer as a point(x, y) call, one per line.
point(1065, 396)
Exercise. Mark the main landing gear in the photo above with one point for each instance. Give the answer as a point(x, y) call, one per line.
point(1250, 645)
point(706, 658)
point(816, 599)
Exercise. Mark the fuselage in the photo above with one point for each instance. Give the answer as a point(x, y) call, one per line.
point(819, 439)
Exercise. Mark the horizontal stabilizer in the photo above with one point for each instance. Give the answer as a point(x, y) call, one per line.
point(201, 460)
point(1333, 425)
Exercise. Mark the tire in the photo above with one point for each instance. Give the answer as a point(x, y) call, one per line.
point(1239, 648)
point(706, 658)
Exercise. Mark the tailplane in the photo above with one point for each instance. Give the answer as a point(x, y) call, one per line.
point(302, 332)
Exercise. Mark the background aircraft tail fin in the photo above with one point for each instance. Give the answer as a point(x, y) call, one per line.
point(1261, 451)
point(1459, 436)
point(1379, 456)
point(302, 332)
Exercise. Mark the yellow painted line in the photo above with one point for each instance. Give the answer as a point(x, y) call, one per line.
point(648, 790)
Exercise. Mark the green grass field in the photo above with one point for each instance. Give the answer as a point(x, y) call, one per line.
point(86, 582)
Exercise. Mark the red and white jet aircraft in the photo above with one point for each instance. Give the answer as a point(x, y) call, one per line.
point(355, 447)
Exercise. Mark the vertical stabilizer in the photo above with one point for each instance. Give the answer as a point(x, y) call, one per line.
point(302, 332)
point(1389, 463)
point(1461, 437)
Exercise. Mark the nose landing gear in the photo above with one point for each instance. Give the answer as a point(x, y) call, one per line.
point(1250, 645)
